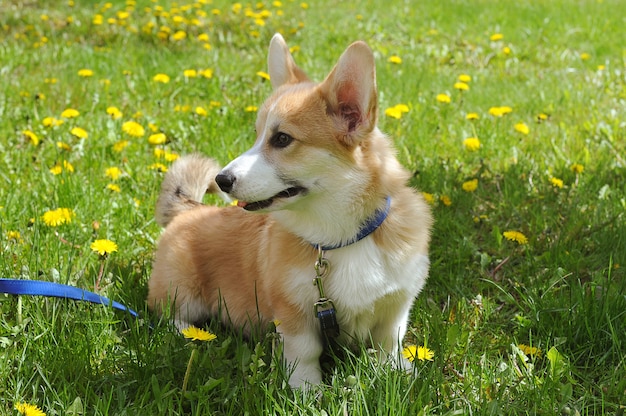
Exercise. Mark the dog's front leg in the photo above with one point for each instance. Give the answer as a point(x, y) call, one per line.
point(302, 353)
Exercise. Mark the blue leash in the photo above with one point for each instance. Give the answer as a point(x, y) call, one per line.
point(57, 290)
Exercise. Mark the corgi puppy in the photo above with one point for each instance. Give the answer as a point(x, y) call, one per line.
point(321, 186)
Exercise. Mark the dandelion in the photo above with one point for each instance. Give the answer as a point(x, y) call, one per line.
point(430, 198)
point(179, 35)
point(51, 122)
point(515, 236)
point(79, 132)
point(120, 146)
point(263, 75)
point(528, 350)
point(496, 37)
point(461, 86)
point(158, 138)
point(556, 182)
point(464, 78)
point(162, 78)
point(506, 50)
point(203, 37)
point(103, 247)
point(445, 199)
point(522, 128)
point(132, 128)
point(197, 334)
point(472, 144)
point(412, 352)
point(395, 59)
point(14, 236)
point(577, 168)
point(585, 56)
point(206, 73)
point(158, 166)
point(500, 111)
point(114, 188)
point(64, 146)
point(397, 110)
point(114, 112)
point(29, 409)
point(472, 116)
point(251, 109)
point(70, 113)
point(443, 98)
point(58, 217)
point(190, 73)
point(56, 169)
point(113, 172)
point(542, 117)
point(85, 73)
point(31, 136)
point(470, 186)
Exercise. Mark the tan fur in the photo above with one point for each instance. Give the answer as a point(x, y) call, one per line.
point(251, 268)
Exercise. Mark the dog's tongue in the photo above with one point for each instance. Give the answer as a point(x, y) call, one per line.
point(242, 204)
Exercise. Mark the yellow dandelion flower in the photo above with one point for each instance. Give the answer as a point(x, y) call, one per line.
point(120, 146)
point(585, 56)
point(179, 35)
point(197, 334)
point(70, 113)
point(251, 109)
point(470, 186)
point(14, 236)
point(422, 353)
point(500, 111)
point(58, 217)
point(516, 236)
point(201, 111)
point(162, 78)
point(190, 73)
point(64, 146)
point(461, 86)
point(51, 122)
point(522, 128)
point(443, 98)
point(472, 116)
point(445, 199)
point(113, 172)
point(464, 78)
point(263, 75)
point(430, 198)
point(132, 128)
point(31, 136)
point(395, 59)
point(114, 188)
point(542, 117)
point(496, 37)
point(206, 73)
point(397, 110)
point(472, 144)
point(29, 409)
point(171, 156)
point(85, 73)
point(528, 350)
point(506, 50)
point(56, 169)
point(68, 166)
point(577, 168)
point(203, 37)
point(157, 138)
point(79, 132)
point(556, 182)
point(103, 247)
point(114, 112)
point(158, 166)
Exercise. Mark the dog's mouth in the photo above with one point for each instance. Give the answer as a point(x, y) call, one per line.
point(287, 193)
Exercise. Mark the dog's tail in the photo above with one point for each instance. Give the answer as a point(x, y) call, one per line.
point(184, 185)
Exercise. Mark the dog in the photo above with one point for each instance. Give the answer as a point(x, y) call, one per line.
point(321, 186)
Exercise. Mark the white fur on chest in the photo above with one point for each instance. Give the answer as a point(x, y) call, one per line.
point(363, 283)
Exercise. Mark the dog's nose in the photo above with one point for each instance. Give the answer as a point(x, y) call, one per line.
point(225, 181)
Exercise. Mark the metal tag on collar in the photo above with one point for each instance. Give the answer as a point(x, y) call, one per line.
point(324, 307)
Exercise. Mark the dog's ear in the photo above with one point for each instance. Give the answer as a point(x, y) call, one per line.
point(281, 66)
point(350, 91)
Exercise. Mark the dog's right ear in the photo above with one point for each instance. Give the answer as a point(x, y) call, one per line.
point(281, 66)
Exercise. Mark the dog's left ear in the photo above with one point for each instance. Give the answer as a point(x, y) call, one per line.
point(281, 66)
point(350, 91)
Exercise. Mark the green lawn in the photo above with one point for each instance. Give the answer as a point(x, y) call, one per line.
point(525, 308)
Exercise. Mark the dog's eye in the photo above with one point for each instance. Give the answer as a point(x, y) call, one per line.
point(281, 140)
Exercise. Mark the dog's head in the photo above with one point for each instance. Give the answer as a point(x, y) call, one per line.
point(310, 137)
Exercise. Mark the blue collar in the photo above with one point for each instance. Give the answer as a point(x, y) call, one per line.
point(367, 228)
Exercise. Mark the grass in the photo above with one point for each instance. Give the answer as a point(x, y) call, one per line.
point(534, 328)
